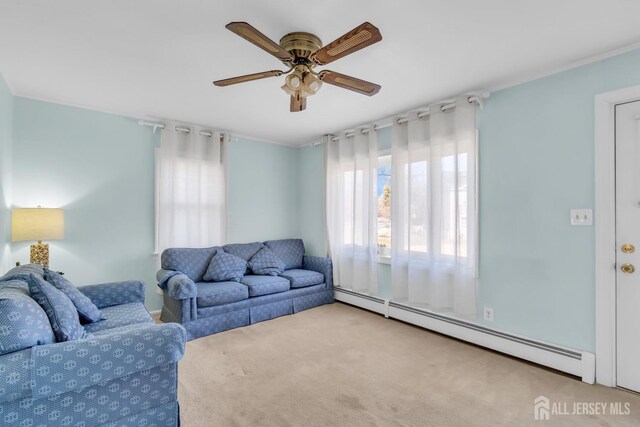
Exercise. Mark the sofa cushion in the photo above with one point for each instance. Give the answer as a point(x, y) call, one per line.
point(243, 250)
point(114, 293)
point(301, 278)
point(265, 285)
point(225, 268)
point(218, 293)
point(87, 310)
point(266, 262)
point(193, 262)
point(61, 312)
point(291, 251)
point(23, 323)
point(120, 315)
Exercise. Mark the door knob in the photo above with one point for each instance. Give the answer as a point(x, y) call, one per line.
point(627, 268)
point(628, 248)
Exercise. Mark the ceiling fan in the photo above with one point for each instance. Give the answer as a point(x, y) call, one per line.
point(302, 52)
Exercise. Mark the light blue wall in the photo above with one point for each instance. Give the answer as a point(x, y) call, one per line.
point(262, 191)
point(536, 163)
point(384, 139)
point(276, 192)
point(100, 169)
point(6, 143)
point(311, 199)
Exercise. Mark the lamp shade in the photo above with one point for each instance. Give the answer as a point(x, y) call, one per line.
point(37, 224)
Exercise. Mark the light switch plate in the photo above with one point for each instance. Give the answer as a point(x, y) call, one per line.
point(581, 217)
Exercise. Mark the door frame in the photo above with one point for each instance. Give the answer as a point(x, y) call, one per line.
point(605, 230)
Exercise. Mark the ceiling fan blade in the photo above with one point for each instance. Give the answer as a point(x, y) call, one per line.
point(347, 82)
point(298, 103)
point(356, 39)
point(249, 33)
point(247, 78)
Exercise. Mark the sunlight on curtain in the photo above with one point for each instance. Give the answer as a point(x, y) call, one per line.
point(434, 210)
point(352, 209)
point(190, 190)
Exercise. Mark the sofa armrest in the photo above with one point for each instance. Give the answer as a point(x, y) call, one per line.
point(75, 365)
point(176, 284)
point(321, 265)
point(116, 293)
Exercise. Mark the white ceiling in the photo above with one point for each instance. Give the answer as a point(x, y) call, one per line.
point(157, 58)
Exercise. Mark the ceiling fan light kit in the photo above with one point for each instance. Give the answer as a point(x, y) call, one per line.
point(302, 52)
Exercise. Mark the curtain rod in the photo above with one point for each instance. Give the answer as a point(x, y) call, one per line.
point(155, 126)
point(450, 103)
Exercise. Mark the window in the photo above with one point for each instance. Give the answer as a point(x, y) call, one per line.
point(190, 190)
point(384, 207)
point(445, 235)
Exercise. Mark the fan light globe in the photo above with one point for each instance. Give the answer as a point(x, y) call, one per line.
point(312, 83)
point(293, 81)
point(315, 86)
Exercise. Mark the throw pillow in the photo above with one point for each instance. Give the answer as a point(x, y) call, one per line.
point(86, 308)
point(61, 312)
point(290, 251)
point(266, 263)
point(225, 267)
point(24, 323)
point(21, 272)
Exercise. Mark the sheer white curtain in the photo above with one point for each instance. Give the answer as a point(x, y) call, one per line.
point(190, 189)
point(352, 206)
point(433, 216)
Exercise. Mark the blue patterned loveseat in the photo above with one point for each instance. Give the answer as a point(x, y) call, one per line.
point(124, 373)
point(207, 307)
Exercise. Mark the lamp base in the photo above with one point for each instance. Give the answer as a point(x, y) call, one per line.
point(39, 254)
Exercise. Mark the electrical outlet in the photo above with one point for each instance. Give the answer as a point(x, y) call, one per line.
point(488, 314)
point(581, 217)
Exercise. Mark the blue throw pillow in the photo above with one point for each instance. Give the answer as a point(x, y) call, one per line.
point(21, 272)
point(86, 308)
point(23, 323)
point(225, 267)
point(266, 262)
point(290, 251)
point(62, 314)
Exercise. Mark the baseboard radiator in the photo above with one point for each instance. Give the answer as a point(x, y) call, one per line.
point(574, 362)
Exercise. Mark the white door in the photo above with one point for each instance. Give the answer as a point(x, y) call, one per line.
point(628, 245)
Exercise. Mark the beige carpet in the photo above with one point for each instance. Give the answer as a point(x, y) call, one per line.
point(338, 365)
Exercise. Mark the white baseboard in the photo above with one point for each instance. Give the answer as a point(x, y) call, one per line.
point(574, 362)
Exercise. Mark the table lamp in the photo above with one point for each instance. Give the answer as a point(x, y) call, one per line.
point(37, 224)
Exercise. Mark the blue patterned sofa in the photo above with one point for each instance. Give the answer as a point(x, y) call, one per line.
point(123, 374)
point(205, 308)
